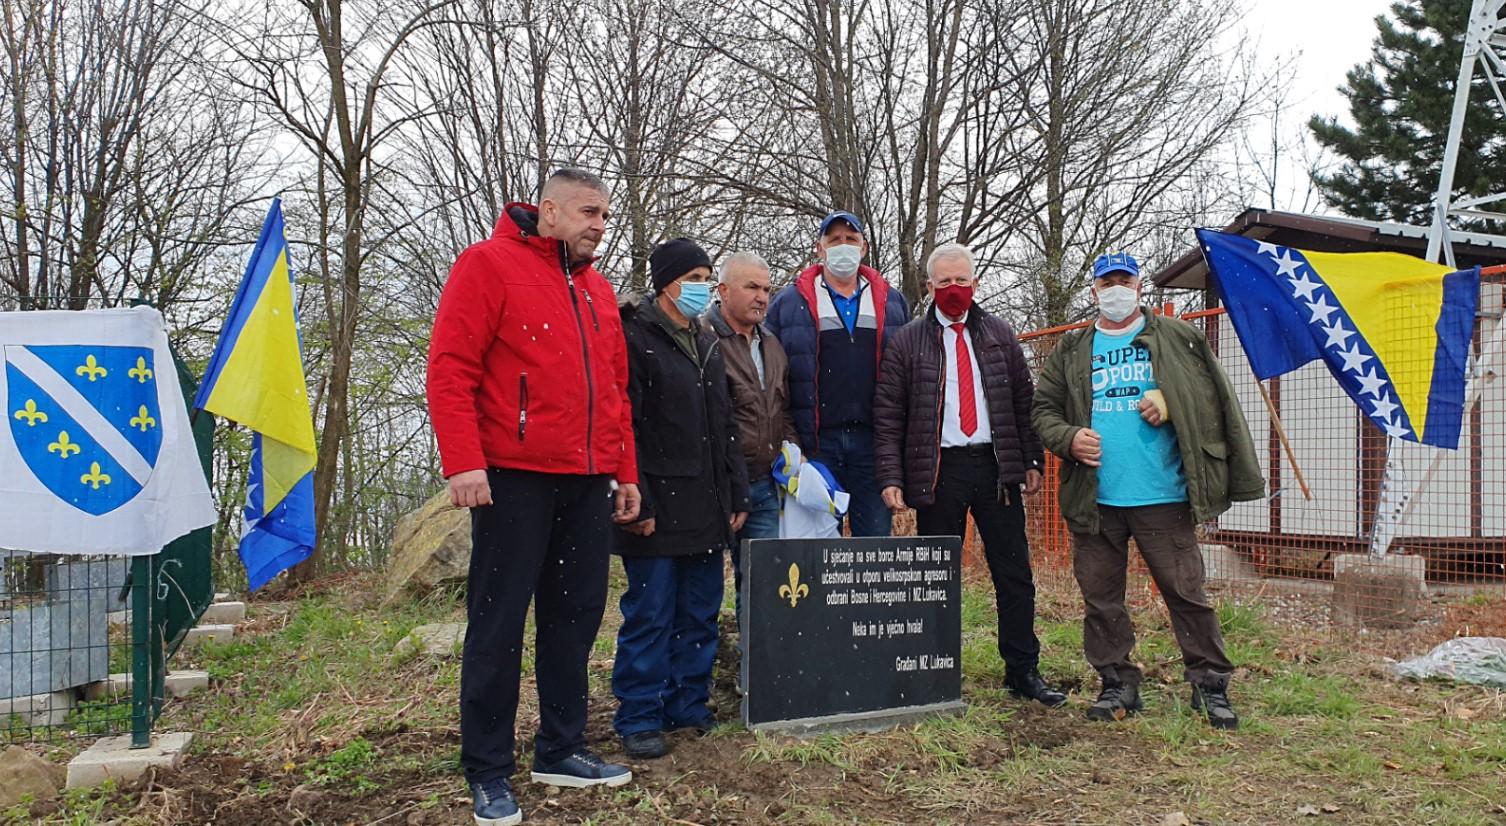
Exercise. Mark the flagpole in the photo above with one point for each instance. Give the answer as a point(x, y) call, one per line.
point(1291, 456)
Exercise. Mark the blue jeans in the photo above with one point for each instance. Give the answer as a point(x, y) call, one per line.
point(763, 523)
point(667, 643)
point(847, 451)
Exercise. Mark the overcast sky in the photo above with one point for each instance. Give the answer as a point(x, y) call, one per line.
point(1325, 38)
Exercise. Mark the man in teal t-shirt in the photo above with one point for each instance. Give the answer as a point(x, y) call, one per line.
point(1131, 446)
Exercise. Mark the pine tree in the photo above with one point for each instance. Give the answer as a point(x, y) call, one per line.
point(1400, 102)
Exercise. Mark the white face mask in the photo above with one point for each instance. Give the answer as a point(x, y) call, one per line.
point(842, 261)
point(1118, 302)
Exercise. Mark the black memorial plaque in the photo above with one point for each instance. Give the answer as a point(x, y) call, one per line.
point(840, 627)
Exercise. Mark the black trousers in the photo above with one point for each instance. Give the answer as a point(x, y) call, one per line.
point(970, 482)
point(544, 539)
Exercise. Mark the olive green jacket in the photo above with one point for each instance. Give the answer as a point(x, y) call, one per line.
point(1217, 453)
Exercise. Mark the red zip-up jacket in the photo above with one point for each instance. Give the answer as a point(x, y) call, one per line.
point(527, 365)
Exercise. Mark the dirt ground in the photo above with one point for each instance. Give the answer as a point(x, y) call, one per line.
point(311, 719)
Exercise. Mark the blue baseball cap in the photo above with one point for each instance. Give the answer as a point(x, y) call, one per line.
point(839, 215)
point(1116, 262)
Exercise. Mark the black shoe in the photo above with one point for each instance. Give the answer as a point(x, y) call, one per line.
point(1030, 686)
point(645, 745)
point(1115, 702)
point(701, 727)
point(1213, 701)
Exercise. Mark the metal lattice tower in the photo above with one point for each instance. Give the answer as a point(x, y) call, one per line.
point(1484, 53)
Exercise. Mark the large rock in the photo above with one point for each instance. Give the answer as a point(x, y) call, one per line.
point(24, 773)
point(440, 639)
point(431, 547)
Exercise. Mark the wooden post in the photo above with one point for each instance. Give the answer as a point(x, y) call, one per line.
point(1291, 457)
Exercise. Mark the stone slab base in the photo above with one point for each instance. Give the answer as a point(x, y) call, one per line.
point(869, 721)
point(205, 633)
point(224, 613)
point(177, 684)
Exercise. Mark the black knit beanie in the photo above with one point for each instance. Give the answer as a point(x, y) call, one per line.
point(672, 259)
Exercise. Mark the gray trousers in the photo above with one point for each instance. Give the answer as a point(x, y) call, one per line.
point(1167, 542)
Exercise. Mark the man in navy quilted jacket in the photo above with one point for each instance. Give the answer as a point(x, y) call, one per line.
point(834, 322)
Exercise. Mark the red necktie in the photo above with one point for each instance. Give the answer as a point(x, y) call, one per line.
point(967, 405)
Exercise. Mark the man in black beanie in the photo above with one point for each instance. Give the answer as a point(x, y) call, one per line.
point(695, 498)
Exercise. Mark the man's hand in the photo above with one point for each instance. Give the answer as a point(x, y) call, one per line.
point(1032, 481)
point(643, 528)
point(1150, 412)
point(470, 489)
point(1087, 447)
point(738, 520)
point(626, 504)
point(894, 498)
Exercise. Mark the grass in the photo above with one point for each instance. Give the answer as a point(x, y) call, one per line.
point(311, 696)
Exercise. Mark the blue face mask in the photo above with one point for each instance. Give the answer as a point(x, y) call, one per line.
point(694, 297)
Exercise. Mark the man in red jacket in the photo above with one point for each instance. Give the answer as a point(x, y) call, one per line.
point(527, 390)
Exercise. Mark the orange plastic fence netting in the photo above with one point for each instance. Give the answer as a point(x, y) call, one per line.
point(1453, 537)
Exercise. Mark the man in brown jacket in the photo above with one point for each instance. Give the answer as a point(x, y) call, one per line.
point(952, 435)
point(758, 379)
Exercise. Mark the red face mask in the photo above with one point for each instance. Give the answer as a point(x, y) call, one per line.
point(954, 299)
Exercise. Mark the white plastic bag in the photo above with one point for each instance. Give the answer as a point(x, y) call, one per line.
point(1475, 660)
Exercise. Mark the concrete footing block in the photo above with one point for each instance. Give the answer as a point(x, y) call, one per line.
point(223, 613)
point(1378, 591)
point(119, 617)
point(113, 758)
point(1223, 564)
point(50, 709)
point(206, 633)
point(221, 596)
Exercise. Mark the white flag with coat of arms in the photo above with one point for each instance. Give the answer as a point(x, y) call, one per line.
point(96, 453)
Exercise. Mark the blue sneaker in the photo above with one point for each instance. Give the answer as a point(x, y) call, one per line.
point(494, 804)
point(580, 770)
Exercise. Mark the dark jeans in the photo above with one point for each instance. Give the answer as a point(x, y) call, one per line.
point(667, 643)
point(763, 523)
point(1168, 543)
point(847, 451)
point(970, 482)
point(544, 540)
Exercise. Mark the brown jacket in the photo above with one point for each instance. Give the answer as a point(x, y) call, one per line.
point(762, 412)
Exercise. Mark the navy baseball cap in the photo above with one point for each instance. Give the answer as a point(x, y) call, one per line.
point(1116, 262)
point(839, 215)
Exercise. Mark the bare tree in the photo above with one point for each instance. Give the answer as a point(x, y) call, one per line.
point(322, 68)
point(125, 176)
point(1129, 100)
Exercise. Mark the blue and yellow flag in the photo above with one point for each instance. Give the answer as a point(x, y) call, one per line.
point(1393, 329)
point(256, 378)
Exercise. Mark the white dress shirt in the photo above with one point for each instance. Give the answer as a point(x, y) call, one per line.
point(951, 416)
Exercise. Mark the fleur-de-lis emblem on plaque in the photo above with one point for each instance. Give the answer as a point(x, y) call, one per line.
point(91, 370)
point(143, 419)
point(140, 372)
point(796, 589)
point(31, 414)
point(94, 478)
point(62, 447)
